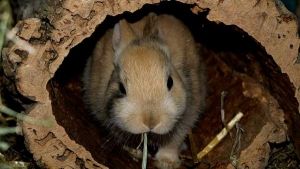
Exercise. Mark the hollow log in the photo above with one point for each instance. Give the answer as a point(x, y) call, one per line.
point(262, 79)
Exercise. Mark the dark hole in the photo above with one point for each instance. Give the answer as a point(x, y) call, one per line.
point(221, 45)
point(291, 46)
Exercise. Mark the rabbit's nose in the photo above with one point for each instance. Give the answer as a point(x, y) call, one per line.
point(151, 122)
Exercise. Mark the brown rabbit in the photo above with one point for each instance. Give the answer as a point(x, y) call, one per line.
point(147, 77)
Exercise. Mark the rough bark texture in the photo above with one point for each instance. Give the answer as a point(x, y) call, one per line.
point(64, 24)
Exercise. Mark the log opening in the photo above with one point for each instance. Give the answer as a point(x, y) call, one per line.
point(236, 63)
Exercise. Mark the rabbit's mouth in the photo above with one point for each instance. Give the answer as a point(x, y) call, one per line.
point(122, 137)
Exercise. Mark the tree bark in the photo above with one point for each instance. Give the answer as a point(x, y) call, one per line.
point(256, 86)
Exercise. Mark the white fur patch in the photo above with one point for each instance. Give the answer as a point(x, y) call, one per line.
point(128, 119)
point(169, 119)
point(170, 106)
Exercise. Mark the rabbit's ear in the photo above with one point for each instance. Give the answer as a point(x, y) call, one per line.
point(122, 35)
point(151, 27)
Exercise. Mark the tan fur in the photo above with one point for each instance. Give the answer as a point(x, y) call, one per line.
point(142, 56)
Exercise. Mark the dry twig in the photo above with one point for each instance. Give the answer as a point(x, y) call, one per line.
point(220, 136)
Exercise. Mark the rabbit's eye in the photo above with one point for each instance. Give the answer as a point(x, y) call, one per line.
point(122, 88)
point(170, 83)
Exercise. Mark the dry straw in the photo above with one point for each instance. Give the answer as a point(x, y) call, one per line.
point(145, 151)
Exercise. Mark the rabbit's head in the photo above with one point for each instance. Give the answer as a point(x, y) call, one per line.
point(147, 93)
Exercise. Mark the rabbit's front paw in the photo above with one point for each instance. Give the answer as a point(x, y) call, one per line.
point(167, 159)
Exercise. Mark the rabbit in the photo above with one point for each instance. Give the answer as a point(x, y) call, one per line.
point(147, 77)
